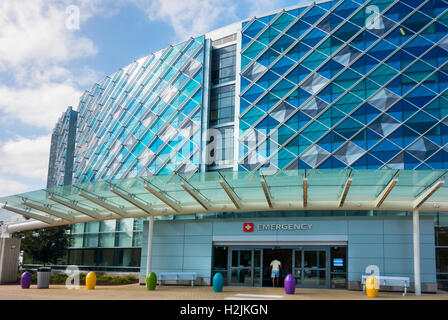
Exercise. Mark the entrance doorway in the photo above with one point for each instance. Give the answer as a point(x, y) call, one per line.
point(312, 266)
point(282, 255)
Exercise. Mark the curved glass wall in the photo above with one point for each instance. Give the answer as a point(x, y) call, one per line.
point(359, 84)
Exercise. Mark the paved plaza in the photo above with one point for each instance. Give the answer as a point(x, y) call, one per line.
point(139, 292)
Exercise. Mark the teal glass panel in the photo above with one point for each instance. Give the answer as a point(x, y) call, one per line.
point(282, 43)
point(254, 49)
point(383, 74)
point(314, 60)
point(330, 46)
point(253, 115)
point(92, 227)
point(314, 131)
point(283, 21)
point(107, 240)
point(77, 241)
point(91, 240)
point(265, 38)
point(124, 239)
point(282, 88)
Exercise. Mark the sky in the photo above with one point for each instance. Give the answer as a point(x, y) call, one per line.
point(51, 51)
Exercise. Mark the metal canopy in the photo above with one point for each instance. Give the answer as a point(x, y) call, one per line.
point(316, 189)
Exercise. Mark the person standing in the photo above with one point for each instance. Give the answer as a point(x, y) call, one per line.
point(275, 271)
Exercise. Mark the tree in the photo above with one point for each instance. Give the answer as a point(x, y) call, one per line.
point(46, 245)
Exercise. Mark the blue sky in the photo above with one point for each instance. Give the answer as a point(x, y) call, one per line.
point(46, 63)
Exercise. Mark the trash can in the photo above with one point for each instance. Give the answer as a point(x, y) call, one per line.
point(43, 278)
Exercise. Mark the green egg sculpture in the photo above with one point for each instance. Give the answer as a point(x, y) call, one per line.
point(151, 281)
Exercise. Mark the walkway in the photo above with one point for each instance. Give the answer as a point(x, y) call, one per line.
point(138, 292)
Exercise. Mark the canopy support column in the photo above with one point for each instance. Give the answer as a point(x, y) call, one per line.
point(416, 238)
point(149, 248)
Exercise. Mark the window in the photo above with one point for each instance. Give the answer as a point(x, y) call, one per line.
point(338, 267)
point(223, 65)
point(222, 105)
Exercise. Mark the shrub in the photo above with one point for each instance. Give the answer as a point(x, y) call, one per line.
point(61, 278)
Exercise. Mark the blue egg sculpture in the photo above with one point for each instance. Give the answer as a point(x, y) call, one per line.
point(218, 282)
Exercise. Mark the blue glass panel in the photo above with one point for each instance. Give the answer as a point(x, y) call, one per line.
point(418, 46)
point(267, 19)
point(254, 28)
point(347, 31)
point(332, 162)
point(298, 51)
point(282, 65)
point(330, 69)
point(283, 43)
point(348, 128)
point(421, 122)
point(329, 23)
point(398, 11)
point(298, 29)
point(313, 15)
point(416, 22)
point(381, 50)
point(314, 37)
point(385, 150)
point(346, 8)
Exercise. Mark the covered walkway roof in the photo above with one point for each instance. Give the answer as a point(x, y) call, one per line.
point(316, 189)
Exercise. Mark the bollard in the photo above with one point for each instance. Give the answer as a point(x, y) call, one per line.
point(218, 282)
point(91, 280)
point(290, 284)
point(151, 281)
point(25, 280)
point(372, 286)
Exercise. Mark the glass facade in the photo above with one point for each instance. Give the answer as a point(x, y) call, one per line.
point(336, 84)
point(60, 166)
point(358, 84)
point(142, 120)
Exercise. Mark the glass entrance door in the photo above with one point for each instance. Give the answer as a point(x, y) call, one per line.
point(311, 267)
point(245, 267)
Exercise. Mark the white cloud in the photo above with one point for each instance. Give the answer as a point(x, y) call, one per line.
point(8, 187)
point(189, 17)
point(39, 106)
point(25, 157)
point(195, 17)
point(34, 32)
point(35, 48)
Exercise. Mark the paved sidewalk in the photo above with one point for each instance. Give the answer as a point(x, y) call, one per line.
point(138, 292)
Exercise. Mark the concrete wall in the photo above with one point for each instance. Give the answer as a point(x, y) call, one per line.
point(9, 259)
point(179, 246)
point(385, 242)
point(388, 244)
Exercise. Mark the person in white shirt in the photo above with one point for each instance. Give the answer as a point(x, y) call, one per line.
point(275, 273)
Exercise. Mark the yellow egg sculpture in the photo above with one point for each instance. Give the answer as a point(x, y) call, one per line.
point(91, 281)
point(372, 286)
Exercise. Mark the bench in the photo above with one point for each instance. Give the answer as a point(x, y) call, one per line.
point(389, 281)
point(191, 276)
